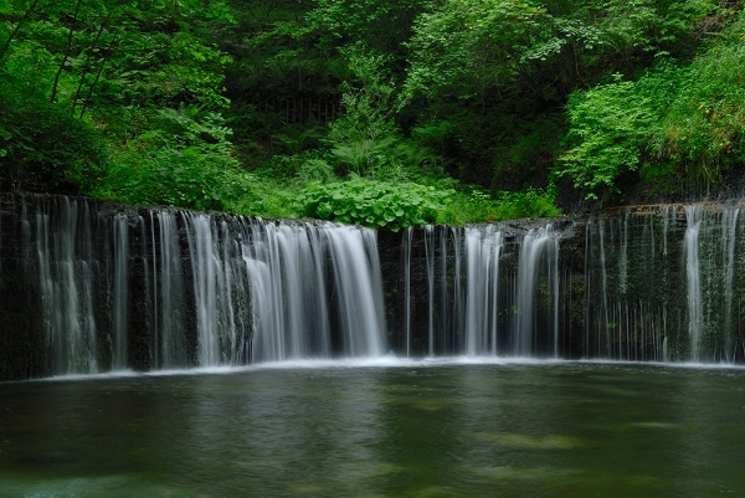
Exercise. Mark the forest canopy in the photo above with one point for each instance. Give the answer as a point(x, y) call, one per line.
point(375, 112)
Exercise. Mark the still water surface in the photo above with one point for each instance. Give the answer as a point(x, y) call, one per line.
point(403, 430)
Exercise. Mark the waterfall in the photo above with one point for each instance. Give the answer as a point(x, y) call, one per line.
point(476, 305)
point(406, 256)
point(205, 267)
point(662, 283)
point(483, 246)
point(533, 247)
point(288, 292)
point(429, 251)
point(445, 327)
point(63, 265)
point(165, 289)
point(168, 300)
point(695, 307)
point(729, 238)
point(458, 294)
point(359, 289)
point(116, 289)
point(121, 291)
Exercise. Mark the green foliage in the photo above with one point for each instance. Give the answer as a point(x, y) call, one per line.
point(451, 42)
point(261, 196)
point(651, 26)
point(304, 167)
point(609, 124)
point(702, 131)
point(182, 103)
point(469, 48)
point(373, 203)
point(381, 24)
point(682, 120)
point(184, 160)
point(478, 206)
point(360, 141)
point(396, 205)
point(530, 203)
point(297, 139)
point(43, 147)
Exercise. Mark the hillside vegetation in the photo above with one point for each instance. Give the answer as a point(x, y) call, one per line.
point(378, 112)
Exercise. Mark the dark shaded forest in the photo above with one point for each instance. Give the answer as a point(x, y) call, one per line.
point(375, 112)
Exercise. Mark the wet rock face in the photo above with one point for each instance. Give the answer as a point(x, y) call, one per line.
point(646, 283)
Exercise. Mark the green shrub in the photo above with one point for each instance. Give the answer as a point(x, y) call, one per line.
point(260, 196)
point(703, 130)
point(170, 176)
point(478, 206)
point(530, 203)
point(608, 126)
point(307, 166)
point(44, 147)
point(184, 160)
point(685, 121)
point(373, 203)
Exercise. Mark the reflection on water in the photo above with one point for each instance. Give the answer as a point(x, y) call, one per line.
point(413, 430)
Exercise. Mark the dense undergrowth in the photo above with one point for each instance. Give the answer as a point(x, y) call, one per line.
point(381, 113)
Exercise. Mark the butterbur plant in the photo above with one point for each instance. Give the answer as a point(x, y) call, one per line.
point(373, 203)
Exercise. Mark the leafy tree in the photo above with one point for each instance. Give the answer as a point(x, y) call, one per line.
point(609, 124)
point(468, 47)
point(44, 147)
point(184, 160)
point(361, 139)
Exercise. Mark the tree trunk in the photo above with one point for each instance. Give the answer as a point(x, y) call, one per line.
point(17, 28)
point(67, 52)
point(87, 65)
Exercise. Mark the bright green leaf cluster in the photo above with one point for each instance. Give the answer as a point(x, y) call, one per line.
point(373, 203)
point(609, 124)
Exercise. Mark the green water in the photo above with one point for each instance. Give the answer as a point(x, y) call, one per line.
point(404, 431)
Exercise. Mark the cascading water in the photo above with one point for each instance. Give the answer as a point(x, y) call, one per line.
point(693, 271)
point(482, 253)
point(121, 291)
point(406, 257)
point(288, 293)
point(729, 238)
point(429, 249)
point(533, 248)
point(160, 289)
point(205, 267)
point(357, 276)
point(714, 267)
point(476, 304)
point(168, 313)
point(63, 263)
point(169, 289)
point(624, 315)
point(679, 297)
